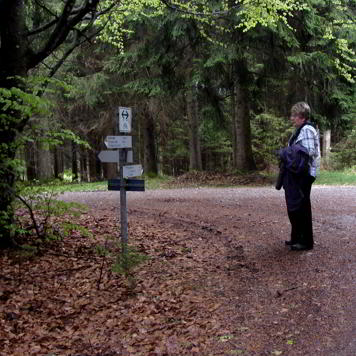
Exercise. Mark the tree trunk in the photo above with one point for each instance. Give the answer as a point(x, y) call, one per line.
point(12, 121)
point(58, 162)
point(150, 156)
point(242, 145)
point(30, 155)
point(326, 144)
point(195, 159)
point(16, 59)
point(44, 164)
point(94, 174)
point(75, 173)
point(84, 166)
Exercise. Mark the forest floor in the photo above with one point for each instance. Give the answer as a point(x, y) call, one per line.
point(217, 280)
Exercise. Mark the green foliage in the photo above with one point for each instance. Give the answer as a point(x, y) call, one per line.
point(19, 105)
point(128, 260)
point(28, 102)
point(215, 138)
point(176, 150)
point(58, 186)
point(49, 137)
point(125, 262)
point(344, 177)
point(268, 13)
point(269, 133)
point(91, 88)
point(343, 154)
point(115, 31)
point(332, 38)
point(16, 100)
point(44, 215)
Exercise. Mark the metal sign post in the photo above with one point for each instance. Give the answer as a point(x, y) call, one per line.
point(123, 156)
point(123, 210)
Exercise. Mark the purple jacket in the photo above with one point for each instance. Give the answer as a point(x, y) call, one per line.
point(295, 160)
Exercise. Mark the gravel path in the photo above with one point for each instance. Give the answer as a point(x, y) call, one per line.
point(319, 284)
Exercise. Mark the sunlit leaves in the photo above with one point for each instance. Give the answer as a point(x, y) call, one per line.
point(114, 21)
point(266, 12)
point(339, 31)
point(346, 65)
point(248, 14)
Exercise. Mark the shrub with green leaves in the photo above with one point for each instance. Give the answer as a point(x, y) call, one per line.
point(343, 154)
point(269, 133)
point(38, 212)
point(128, 260)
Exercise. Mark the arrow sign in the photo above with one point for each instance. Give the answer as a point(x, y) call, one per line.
point(109, 156)
point(132, 171)
point(114, 156)
point(118, 141)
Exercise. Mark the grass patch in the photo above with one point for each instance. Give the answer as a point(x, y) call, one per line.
point(346, 177)
point(60, 187)
point(159, 182)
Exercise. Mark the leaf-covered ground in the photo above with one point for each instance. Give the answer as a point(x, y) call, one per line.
point(218, 279)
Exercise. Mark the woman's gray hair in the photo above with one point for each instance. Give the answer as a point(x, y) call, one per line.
point(302, 109)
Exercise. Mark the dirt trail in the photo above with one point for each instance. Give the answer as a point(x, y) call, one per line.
point(272, 301)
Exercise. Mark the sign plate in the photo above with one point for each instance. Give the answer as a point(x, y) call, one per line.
point(131, 185)
point(132, 171)
point(118, 141)
point(109, 156)
point(125, 119)
point(129, 157)
point(114, 157)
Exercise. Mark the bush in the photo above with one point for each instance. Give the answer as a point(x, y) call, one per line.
point(269, 133)
point(343, 154)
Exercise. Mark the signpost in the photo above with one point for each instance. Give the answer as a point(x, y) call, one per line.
point(123, 156)
point(125, 119)
point(118, 141)
point(116, 156)
point(109, 156)
point(132, 171)
point(131, 185)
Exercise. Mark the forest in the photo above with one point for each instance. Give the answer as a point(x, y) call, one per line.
point(210, 84)
point(204, 269)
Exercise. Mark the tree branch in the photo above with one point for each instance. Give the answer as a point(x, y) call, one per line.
point(32, 215)
point(70, 50)
point(42, 28)
point(66, 23)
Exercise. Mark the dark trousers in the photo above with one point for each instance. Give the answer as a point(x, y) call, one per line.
point(301, 219)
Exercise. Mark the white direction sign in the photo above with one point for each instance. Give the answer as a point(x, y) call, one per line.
point(109, 156)
point(118, 141)
point(129, 156)
point(125, 119)
point(132, 171)
point(114, 156)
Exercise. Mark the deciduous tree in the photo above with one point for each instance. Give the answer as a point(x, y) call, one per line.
point(30, 33)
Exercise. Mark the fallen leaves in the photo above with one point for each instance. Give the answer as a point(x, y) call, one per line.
point(50, 303)
point(211, 286)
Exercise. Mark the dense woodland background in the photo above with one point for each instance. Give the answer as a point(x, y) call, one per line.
point(212, 100)
point(210, 83)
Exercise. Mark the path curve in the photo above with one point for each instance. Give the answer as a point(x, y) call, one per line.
point(306, 296)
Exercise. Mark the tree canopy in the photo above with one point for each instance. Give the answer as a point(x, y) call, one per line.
point(205, 77)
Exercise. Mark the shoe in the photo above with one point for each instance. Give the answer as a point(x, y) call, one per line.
point(300, 247)
point(288, 242)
